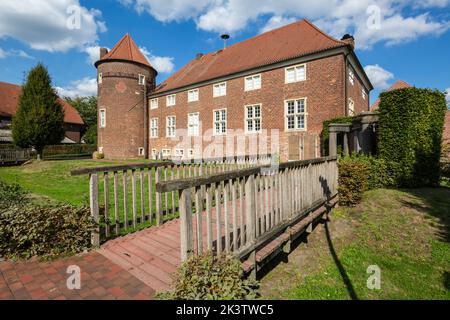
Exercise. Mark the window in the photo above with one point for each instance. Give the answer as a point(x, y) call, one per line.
point(141, 79)
point(220, 121)
point(154, 154)
point(179, 153)
point(351, 76)
point(253, 83)
point(351, 107)
point(154, 128)
point(171, 100)
point(190, 153)
point(102, 118)
point(193, 95)
point(100, 78)
point(253, 118)
point(171, 127)
point(296, 73)
point(193, 124)
point(154, 103)
point(166, 153)
point(220, 89)
point(363, 93)
point(296, 114)
point(141, 151)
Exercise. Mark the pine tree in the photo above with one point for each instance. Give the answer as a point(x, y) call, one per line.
point(39, 120)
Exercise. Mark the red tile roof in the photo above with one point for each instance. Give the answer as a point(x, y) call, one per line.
point(399, 84)
point(294, 40)
point(125, 49)
point(9, 101)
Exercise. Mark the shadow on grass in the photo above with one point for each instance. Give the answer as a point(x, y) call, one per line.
point(435, 203)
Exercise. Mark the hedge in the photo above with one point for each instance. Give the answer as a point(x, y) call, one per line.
point(69, 149)
point(410, 135)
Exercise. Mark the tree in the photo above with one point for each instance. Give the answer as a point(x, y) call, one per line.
point(39, 120)
point(87, 108)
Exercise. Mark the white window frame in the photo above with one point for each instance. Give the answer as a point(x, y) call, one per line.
point(154, 129)
point(351, 76)
point(190, 153)
point(154, 103)
point(252, 79)
point(193, 95)
point(169, 128)
point(154, 154)
point(141, 151)
point(166, 153)
point(253, 118)
point(296, 79)
point(363, 93)
point(223, 122)
point(170, 104)
point(197, 132)
point(296, 114)
point(141, 80)
point(351, 111)
point(102, 117)
point(100, 78)
point(220, 86)
point(179, 152)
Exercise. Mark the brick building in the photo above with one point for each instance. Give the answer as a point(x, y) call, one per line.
point(9, 102)
point(273, 91)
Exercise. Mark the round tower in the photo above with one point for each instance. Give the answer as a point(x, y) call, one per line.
point(124, 78)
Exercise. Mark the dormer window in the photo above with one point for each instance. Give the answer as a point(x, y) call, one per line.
point(141, 80)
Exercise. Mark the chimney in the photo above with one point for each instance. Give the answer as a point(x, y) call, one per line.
point(349, 39)
point(103, 52)
point(225, 38)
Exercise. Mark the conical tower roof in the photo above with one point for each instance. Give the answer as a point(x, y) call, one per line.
point(125, 50)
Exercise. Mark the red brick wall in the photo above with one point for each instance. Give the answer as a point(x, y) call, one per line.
point(123, 100)
point(355, 92)
point(73, 132)
point(324, 90)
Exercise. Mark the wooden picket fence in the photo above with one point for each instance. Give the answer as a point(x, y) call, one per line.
point(124, 198)
point(14, 156)
point(242, 209)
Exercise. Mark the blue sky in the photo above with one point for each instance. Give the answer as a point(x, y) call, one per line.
point(400, 39)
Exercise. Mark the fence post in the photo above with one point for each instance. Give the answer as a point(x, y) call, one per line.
point(158, 198)
point(250, 209)
point(93, 194)
point(186, 223)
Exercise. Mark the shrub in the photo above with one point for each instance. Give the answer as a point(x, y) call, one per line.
point(11, 194)
point(352, 181)
point(47, 231)
point(211, 278)
point(410, 134)
point(69, 149)
point(98, 155)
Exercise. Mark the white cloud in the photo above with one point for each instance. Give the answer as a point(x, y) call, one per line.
point(51, 25)
point(447, 96)
point(336, 17)
point(378, 76)
point(14, 53)
point(161, 64)
point(85, 87)
point(276, 22)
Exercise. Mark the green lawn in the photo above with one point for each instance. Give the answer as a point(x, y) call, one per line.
point(406, 233)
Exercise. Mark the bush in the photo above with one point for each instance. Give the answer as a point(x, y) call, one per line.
point(11, 194)
point(211, 278)
point(360, 173)
point(69, 149)
point(47, 231)
point(410, 134)
point(98, 155)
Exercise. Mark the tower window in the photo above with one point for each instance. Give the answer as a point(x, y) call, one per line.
point(102, 118)
point(100, 78)
point(141, 79)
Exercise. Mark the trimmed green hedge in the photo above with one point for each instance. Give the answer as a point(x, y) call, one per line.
point(410, 135)
point(69, 149)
